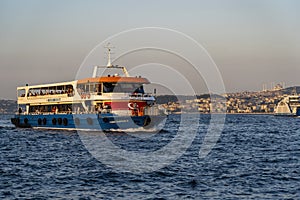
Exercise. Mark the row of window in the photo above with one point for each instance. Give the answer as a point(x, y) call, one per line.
point(63, 89)
point(84, 88)
point(111, 87)
point(51, 108)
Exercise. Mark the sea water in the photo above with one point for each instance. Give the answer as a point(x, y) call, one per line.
point(255, 157)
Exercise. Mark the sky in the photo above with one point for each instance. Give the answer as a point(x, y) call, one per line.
point(252, 42)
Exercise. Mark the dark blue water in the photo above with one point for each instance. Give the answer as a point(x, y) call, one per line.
point(256, 157)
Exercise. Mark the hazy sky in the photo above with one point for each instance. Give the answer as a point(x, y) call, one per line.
point(252, 42)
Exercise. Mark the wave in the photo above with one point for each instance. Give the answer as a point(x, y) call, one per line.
point(5, 123)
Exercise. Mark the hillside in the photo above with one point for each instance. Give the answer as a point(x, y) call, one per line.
point(291, 90)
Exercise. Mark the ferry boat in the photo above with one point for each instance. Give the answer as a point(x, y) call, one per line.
point(110, 102)
point(288, 106)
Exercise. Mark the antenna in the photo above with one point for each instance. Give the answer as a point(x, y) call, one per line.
point(109, 64)
point(108, 47)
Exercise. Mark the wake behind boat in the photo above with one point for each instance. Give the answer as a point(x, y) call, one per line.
point(95, 103)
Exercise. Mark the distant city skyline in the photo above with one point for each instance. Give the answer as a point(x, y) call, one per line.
point(253, 43)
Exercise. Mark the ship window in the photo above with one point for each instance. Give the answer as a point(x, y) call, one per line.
point(131, 88)
point(92, 88)
point(98, 88)
point(60, 89)
point(80, 88)
point(108, 87)
point(21, 93)
point(123, 87)
point(87, 87)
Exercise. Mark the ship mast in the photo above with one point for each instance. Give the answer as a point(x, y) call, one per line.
point(108, 47)
point(109, 64)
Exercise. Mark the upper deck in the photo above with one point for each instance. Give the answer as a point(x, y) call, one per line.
point(95, 88)
point(98, 88)
point(46, 93)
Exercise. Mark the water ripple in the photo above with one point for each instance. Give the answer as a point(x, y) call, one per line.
point(256, 157)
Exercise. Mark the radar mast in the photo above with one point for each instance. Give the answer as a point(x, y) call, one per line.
point(108, 47)
point(109, 64)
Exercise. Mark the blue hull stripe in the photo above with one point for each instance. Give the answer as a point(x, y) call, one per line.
point(85, 121)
